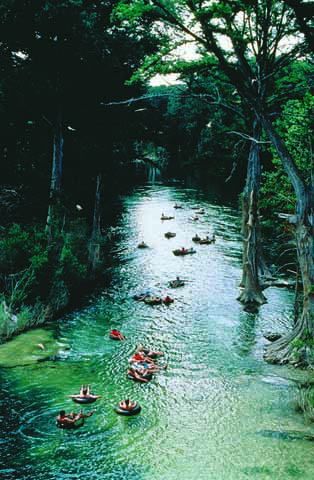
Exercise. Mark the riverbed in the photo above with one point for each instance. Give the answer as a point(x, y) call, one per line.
point(219, 412)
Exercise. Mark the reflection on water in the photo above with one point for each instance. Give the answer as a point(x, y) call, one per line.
point(203, 417)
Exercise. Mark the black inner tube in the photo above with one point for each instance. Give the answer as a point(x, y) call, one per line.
point(152, 355)
point(84, 400)
point(128, 413)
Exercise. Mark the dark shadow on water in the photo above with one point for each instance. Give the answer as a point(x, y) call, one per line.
point(246, 333)
point(287, 435)
point(10, 422)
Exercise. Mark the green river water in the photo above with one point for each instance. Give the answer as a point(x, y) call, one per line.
point(218, 413)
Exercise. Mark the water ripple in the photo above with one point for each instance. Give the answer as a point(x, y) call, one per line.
point(199, 417)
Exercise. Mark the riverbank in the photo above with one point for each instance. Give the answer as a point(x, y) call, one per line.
point(42, 281)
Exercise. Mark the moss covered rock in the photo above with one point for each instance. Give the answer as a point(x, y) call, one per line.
point(28, 348)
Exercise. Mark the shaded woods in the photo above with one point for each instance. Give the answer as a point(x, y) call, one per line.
point(59, 63)
point(79, 119)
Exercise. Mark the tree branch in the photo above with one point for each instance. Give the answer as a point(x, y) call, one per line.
point(247, 137)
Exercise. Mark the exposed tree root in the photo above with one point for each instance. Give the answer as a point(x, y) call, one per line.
point(251, 297)
point(295, 348)
point(305, 401)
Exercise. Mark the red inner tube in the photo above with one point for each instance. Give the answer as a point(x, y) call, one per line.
point(116, 335)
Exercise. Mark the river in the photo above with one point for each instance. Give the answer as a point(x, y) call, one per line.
point(219, 412)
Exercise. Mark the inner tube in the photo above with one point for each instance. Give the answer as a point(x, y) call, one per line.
point(168, 301)
point(139, 297)
point(153, 300)
point(115, 337)
point(147, 377)
point(170, 235)
point(142, 245)
point(176, 283)
point(71, 426)
point(84, 400)
point(128, 413)
point(152, 354)
point(179, 252)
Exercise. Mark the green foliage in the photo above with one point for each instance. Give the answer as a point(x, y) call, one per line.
point(28, 274)
point(298, 344)
point(12, 322)
point(24, 318)
point(21, 247)
point(69, 262)
point(126, 11)
point(192, 125)
point(296, 127)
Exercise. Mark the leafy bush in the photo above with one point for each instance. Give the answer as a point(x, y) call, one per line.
point(70, 263)
point(24, 318)
point(17, 247)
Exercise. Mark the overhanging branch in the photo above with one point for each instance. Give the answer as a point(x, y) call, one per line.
point(247, 137)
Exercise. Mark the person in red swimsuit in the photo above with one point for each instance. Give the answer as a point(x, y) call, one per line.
point(140, 357)
point(117, 334)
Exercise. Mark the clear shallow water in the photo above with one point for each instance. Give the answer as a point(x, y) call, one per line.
point(218, 412)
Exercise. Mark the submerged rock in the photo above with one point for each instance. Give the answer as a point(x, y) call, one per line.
point(28, 348)
point(286, 435)
point(278, 381)
point(272, 336)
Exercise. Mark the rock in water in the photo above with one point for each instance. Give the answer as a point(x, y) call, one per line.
point(291, 435)
point(272, 337)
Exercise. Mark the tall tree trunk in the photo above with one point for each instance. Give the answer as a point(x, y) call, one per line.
point(54, 217)
point(252, 292)
point(94, 244)
point(296, 346)
point(58, 295)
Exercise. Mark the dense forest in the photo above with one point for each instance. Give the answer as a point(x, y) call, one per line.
point(80, 121)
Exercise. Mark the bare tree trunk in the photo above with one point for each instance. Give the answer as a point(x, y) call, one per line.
point(296, 346)
point(94, 244)
point(264, 270)
point(54, 217)
point(296, 309)
point(252, 292)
